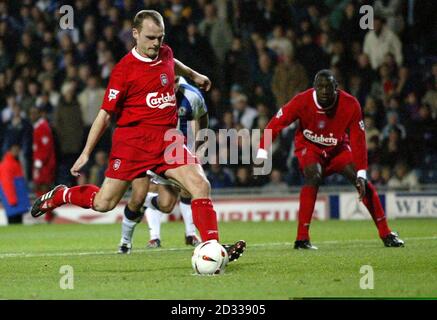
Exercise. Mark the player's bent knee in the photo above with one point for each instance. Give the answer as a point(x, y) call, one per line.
point(167, 207)
point(103, 205)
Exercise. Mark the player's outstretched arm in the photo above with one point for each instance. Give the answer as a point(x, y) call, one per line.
point(97, 129)
point(200, 80)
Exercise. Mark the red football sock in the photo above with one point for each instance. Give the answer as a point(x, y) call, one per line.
point(82, 196)
point(307, 201)
point(205, 219)
point(372, 203)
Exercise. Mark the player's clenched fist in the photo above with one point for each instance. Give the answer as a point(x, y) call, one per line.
point(80, 162)
point(202, 81)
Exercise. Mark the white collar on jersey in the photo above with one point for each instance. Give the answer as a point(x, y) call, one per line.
point(319, 106)
point(140, 57)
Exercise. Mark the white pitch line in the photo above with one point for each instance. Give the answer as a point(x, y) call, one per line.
point(112, 252)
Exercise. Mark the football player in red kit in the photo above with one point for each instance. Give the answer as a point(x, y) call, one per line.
point(141, 97)
point(330, 139)
point(44, 158)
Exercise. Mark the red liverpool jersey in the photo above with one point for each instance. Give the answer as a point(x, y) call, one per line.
point(141, 90)
point(322, 130)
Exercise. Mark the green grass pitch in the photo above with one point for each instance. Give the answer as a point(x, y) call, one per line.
point(31, 258)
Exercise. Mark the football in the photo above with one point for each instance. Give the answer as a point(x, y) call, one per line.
point(209, 258)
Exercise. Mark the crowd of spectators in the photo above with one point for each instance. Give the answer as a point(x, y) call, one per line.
point(258, 54)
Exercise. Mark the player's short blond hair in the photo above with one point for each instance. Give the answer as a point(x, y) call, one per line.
point(153, 15)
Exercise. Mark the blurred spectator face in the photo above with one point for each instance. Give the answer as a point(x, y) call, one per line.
point(393, 103)
point(21, 58)
point(209, 11)
point(191, 30)
point(393, 136)
point(363, 60)
point(338, 48)
point(434, 69)
point(403, 73)
point(305, 25)
point(10, 100)
point(313, 11)
point(66, 43)
point(386, 173)
point(278, 32)
point(109, 33)
point(92, 82)
point(101, 158)
point(26, 40)
point(263, 110)
point(19, 87)
point(392, 118)
point(424, 112)
point(68, 90)
point(236, 44)
point(264, 62)
point(34, 114)
point(324, 24)
point(401, 170)
point(276, 176)
point(47, 85)
point(411, 98)
point(389, 59)
point(384, 71)
point(228, 119)
point(16, 111)
point(216, 96)
point(149, 38)
point(25, 12)
point(15, 150)
point(242, 174)
point(349, 10)
point(377, 25)
point(369, 122)
point(375, 173)
point(48, 64)
point(48, 36)
point(260, 44)
point(307, 39)
point(33, 88)
point(240, 102)
point(84, 72)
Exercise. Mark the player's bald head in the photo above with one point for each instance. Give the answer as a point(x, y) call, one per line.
point(325, 74)
point(325, 86)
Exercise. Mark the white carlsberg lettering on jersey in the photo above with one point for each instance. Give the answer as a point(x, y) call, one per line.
point(326, 141)
point(113, 94)
point(279, 114)
point(161, 102)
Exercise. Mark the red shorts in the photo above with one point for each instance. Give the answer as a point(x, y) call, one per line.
point(138, 149)
point(332, 161)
